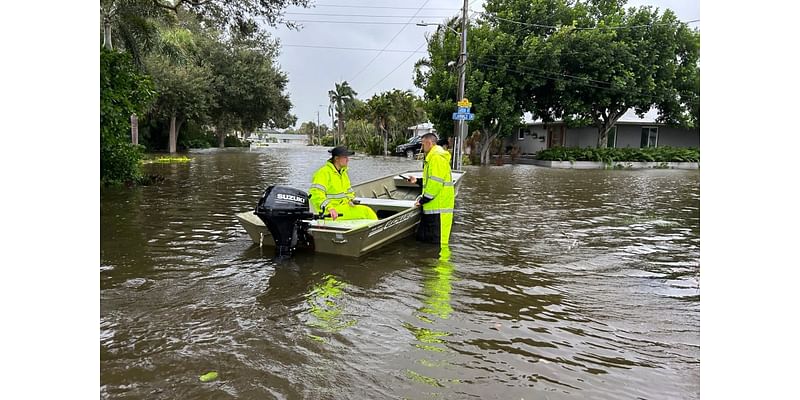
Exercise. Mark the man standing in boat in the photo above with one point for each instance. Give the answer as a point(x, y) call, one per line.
point(331, 191)
point(438, 193)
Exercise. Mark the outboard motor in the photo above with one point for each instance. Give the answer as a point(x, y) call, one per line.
point(282, 209)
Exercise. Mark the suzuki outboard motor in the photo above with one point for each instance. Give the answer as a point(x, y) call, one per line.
point(282, 209)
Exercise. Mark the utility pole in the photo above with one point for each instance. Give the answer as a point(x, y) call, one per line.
point(333, 123)
point(319, 133)
point(461, 125)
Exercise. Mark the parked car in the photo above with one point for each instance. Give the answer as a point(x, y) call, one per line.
point(414, 146)
point(410, 148)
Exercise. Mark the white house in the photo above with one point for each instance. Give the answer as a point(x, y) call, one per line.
point(421, 129)
point(629, 131)
point(274, 136)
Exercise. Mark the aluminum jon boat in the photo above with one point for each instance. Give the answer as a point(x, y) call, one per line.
point(291, 225)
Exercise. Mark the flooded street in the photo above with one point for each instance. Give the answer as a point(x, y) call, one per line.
point(562, 284)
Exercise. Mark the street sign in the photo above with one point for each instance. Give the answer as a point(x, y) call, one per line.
point(465, 117)
point(464, 103)
point(463, 110)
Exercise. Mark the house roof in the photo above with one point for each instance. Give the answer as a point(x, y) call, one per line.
point(629, 117)
point(424, 125)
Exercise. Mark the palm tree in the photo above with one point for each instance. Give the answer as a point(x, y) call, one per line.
point(382, 116)
point(134, 24)
point(342, 101)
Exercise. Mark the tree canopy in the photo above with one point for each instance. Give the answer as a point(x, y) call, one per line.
point(586, 62)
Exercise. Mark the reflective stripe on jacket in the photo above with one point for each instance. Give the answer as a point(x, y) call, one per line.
point(330, 188)
point(438, 182)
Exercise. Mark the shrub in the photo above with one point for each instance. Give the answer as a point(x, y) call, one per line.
point(612, 155)
point(233, 141)
point(123, 91)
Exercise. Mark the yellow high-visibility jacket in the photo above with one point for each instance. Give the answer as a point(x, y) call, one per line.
point(331, 189)
point(438, 183)
point(438, 197)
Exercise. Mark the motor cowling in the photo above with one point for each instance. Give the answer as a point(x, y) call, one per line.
point(282, 209)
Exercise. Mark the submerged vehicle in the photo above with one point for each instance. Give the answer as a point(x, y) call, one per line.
point(284, 218)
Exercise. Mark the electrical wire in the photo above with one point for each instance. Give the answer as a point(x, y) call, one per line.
point(367, 15)
point(387, 44)
point(588, 28)
point(395, 68)
point(351, 48)
point(387, 7)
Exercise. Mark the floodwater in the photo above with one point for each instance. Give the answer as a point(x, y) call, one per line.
point(561, 284)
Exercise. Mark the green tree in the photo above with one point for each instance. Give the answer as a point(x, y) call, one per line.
point(184, 84)
point(361, 136)
point(250, 91)
point(438, 76)
point(134, 20)
point(599, 60)
point(123, 91)
point(391, 113)
point(235, 17)
point(135, 23)
point(494, 88)
point(314, 132)
point(342, 99)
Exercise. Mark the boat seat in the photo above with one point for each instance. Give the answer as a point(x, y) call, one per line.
point(386, 204)
point(341, 224)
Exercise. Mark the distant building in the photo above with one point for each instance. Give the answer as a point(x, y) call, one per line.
point(274, 136)
point(421, 129)
point(629, 131)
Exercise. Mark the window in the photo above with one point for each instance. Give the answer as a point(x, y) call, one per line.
point(521, 134)
point(649, 136)
point(612, 138)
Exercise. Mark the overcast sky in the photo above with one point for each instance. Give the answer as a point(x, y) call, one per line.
point(313, 66)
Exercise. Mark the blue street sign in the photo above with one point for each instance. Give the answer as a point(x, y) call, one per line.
point(463, 110)
point(467, 117)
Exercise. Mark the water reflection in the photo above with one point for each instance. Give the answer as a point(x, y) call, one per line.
point(431, 368)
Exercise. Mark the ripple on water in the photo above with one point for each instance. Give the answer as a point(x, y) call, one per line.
point(564, 284)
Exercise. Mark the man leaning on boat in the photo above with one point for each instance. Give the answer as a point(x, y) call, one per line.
point(331, 191)
point(438, 193)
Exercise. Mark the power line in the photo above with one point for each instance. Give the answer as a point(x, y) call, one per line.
point(367, 15)
point(390, 42)
point(588, 28)
point(354, 22)
point(562, 74)
point(389, 8)
point(351, 48)
point(395, 68)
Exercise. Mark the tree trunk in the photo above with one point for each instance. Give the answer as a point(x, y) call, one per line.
point(486, 147)
point(602, 134)
point(602, 137)
point(173, 135)
point(221, 137)
point(604, 124)
point(107, 34)
point(340, 126)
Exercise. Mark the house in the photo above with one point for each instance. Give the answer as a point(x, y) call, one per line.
point(629, 131)
point(275, 136)
point(421, 129)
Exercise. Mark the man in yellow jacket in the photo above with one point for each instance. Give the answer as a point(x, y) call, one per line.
point(331, 192)
point(438, 193)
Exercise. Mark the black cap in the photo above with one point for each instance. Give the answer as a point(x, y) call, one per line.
point(340, 151)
